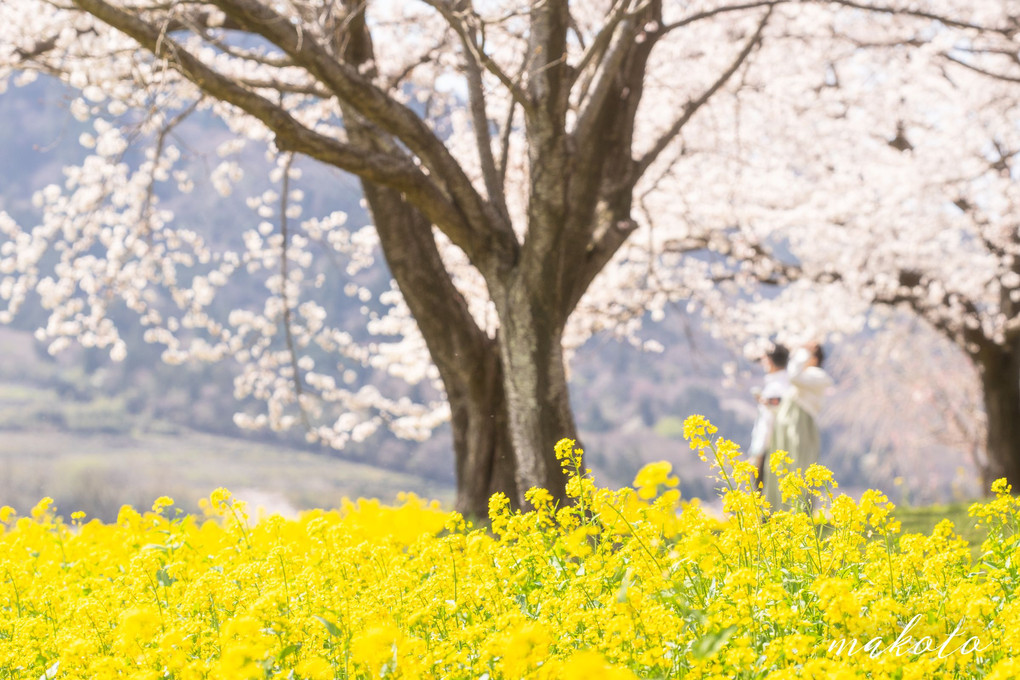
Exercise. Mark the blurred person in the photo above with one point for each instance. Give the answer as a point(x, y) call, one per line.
point(796, 423)
point(769, 396)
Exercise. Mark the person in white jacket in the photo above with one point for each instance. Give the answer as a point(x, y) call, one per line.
point(796, 426)
point(769, 397)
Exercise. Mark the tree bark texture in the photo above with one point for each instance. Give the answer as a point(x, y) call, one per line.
point(538, 400)
point(999, 369)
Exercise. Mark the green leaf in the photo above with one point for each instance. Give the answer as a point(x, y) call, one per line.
point(288, 650)
point(333, 629)
point(621, 593)
point(163, 578)
point(709, 644)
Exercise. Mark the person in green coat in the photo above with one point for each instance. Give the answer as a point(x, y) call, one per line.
point(796, 425)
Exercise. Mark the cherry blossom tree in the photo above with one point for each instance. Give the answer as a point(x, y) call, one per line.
point(508, 152)
point(919, 212)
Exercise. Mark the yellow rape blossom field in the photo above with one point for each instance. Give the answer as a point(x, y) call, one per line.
point(632, 583)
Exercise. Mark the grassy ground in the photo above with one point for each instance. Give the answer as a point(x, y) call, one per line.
point(99, 472)
point(922, 520)
point(93, 455)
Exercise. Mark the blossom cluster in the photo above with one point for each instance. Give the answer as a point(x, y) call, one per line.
point(628, 583)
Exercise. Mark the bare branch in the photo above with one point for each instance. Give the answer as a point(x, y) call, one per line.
point(150, 190)
point(912, 10)
point(504, 142)
point(395, 81)
point(278, 61)
point(460, 20)
point(311, 89)
point(692, 107)
point(284, 272)
point(198, 21)
point(978, 69)
point(707, 14)
point(770, 270)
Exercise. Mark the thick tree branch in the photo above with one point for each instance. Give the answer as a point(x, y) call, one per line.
point(462, 352)
point(772, 271)
point(550, 160)
point(398, 173)
point(547, 67)
point(600, 218)
point(604, 38)
point(488, 233)
point(642, 165)
point(957, 331)
point(605, 81)
point(602, 249)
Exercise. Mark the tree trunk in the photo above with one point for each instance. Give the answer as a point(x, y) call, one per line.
point(535, 381)
point(483, 451)
point(467, 359)
point(999, 368)
point(469, 362)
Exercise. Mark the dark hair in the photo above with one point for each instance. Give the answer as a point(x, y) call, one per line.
point(819, 353)
point(778, 355)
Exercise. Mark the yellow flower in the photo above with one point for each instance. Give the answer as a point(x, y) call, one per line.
point(612, 586)
point(654, 474)
point(569, 456)
point(524, 648)
point(697, 427)
point(576, 542)
point(162, 502)
point(42, 508)
point(314, 668)
point(377, 648)
point(590, 665)
point(538, 497)
point(220, 498)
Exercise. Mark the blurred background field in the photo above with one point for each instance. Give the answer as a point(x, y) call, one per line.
point(97, 472)
point(64, 437)
point(95, 434)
